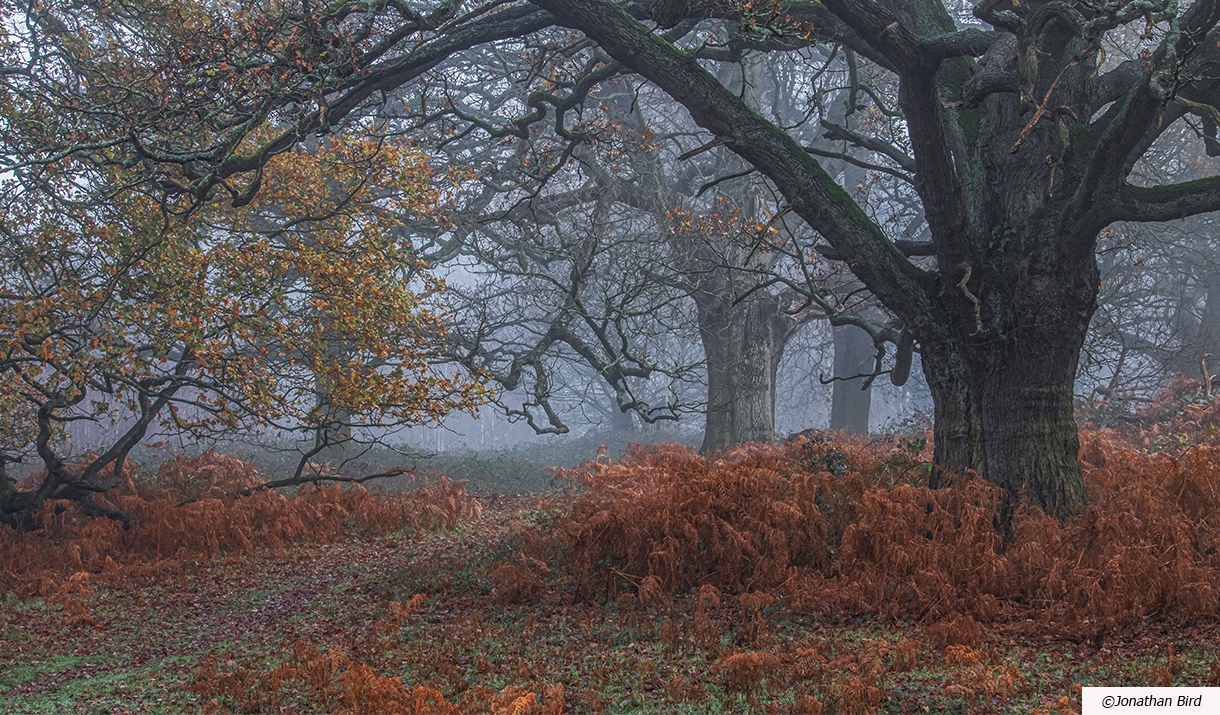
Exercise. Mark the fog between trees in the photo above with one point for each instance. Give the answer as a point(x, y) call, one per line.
point(676, 212)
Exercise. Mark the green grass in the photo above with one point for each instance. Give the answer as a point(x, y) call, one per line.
point(152, 687)
point(21, 673)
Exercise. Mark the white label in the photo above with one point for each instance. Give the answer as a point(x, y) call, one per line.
point(1124, 701)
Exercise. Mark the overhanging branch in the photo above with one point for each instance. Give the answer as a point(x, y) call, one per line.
point(813, 193)
point(1168, 202)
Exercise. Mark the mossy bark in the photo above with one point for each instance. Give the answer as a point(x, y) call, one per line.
point(1013, 426)
point(1002, 372)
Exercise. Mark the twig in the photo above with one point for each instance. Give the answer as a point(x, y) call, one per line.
point(978, 319)
point(722, 179)
point(869, 377)
point(1207, 378)
point(706, 147)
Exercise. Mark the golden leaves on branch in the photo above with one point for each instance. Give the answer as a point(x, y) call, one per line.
point(310, 292)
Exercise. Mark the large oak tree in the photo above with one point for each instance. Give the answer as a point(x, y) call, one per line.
point(1020, 160)
point(1022, 136)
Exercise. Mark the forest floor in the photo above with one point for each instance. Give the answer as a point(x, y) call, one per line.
point(325, 627)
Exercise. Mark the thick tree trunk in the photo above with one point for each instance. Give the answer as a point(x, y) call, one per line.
point(1004, 408)
point(850, 405)
point(743, 344)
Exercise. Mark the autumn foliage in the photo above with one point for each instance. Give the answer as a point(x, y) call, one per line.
point(1178, 417)
point(72, 550)
point(849, 529)
point(329, 677)
point(305, 311)
point(688, 556)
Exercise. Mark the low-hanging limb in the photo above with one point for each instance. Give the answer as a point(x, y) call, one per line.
point(299, 480)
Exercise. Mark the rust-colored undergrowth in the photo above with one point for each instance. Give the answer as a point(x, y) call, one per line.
point(1178, 417)
point(847, 529)
point(188, 511)
point(724, 577)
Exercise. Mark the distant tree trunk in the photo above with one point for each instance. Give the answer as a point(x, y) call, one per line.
point(333, 440)
point(1209, 324)
point(850, 405)
point(11, 500)
point(1203, 337)
point(743, 344)
point(338, 449)
point(621, 423)
point(1209, 333)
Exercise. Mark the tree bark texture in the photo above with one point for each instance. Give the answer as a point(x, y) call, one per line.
point(743, 344)
point(1008, 415)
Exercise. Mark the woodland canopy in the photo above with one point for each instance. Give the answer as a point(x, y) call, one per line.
point(222, 203)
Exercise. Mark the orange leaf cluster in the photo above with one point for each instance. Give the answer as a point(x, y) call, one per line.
point(745, 671)
point(1178, 417)
point(334, 680)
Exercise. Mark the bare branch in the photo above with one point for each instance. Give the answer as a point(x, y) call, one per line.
point(320, 478)
point(842, 133)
